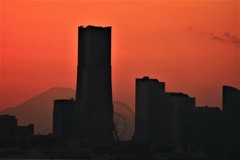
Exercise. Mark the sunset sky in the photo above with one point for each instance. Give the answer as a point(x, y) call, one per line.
point(192, 45)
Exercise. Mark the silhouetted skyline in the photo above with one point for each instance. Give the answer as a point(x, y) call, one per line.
point(171, 122)
point(165, 122)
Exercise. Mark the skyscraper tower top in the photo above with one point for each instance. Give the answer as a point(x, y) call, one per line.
point(94, 27)
point(94, 47)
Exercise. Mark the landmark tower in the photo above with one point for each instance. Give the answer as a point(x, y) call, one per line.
point(94, 108)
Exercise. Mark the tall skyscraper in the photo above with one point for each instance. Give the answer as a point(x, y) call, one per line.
point(94, 108)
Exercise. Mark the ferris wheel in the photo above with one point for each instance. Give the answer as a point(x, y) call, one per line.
point(124, 120)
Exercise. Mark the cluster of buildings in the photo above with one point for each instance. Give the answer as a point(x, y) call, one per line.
point(11, 133)
point(171, 122)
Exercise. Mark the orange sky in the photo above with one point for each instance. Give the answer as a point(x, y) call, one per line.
point(193, 46)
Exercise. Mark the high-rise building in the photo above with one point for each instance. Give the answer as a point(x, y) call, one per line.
point(182, 121)
point(94, 108)
point(231, 112)
point(164, 120)
point(152, 125)
point(208, 129)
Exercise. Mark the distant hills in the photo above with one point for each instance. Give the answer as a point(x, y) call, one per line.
point(38, 110)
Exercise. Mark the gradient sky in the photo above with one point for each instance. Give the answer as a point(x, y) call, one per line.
point(193, 46)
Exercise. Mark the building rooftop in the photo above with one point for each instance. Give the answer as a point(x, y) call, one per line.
point(90, 26)
point(207, 108)
point(7, 117)
point(178, 94)
point(230, 88)
point(146, 78)
point(64, 100)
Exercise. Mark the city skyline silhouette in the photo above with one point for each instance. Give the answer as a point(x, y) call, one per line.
point(167, 123)
point(152, 80)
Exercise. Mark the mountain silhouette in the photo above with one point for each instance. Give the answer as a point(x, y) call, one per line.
point(38, 110)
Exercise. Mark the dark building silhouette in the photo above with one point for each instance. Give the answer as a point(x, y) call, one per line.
point(25, 131)
point(170, 122)
point(209, 129)
point(148, 128)
point(94, 108)
point(182, 121)
point(165, 121)
point(63, 118)
point(11, 133)
point(8, 126)
point(231, 110)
